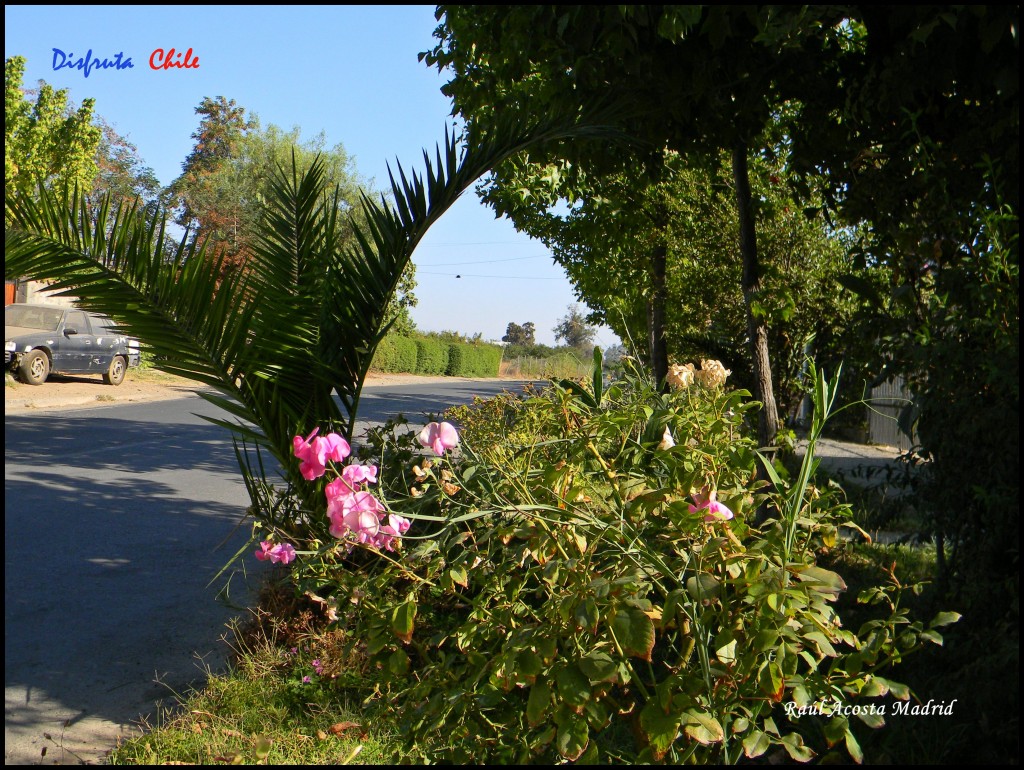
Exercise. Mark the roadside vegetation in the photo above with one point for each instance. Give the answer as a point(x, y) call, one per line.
point(628, 566)
point(610, 531)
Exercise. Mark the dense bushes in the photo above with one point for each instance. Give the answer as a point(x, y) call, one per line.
point(396, 354)
point(433, 355)
point(574, 587)
point(473, 360)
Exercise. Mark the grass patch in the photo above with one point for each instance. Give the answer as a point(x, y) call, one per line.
point(975, 669)
point(291, 696)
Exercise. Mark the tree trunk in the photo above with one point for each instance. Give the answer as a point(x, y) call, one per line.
point(656, 315)
point(768, 423)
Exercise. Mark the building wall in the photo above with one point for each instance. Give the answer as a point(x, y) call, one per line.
point(34, 292)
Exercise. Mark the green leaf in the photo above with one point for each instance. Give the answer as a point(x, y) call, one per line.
point(459, 576)
point(586, 614)
point(875, 687)
point(403, 620)
point(822, 643)
point(703, 587)
point(528, 666)
point(572, 737)
point(944, 619)
point(598, 714)
point(771, 681)
point(794, 746)
point(573, 685)
point(660, 728)
point(822, 580)
point(765, 639)
point(756, 744)
point(872, 720)
point(599, 667)
point(702, 727)
point(398, 663)
point(899, 691)
point(932, 636)
point(854, 748)
point(727, 652)
point(634, 631)
point(835, 730)
point(538, 702)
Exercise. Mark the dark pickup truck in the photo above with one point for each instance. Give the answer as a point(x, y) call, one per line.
point(40, 339)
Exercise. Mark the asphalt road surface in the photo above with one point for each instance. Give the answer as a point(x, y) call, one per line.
point(116, 521)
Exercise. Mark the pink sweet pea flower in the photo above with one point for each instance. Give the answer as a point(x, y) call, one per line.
point(399, 523)
point(356, 474)
point(439, 437)
point(364, 523)
point(283, 553)
point(393, 530)
point(315, 452)
point(716, 511)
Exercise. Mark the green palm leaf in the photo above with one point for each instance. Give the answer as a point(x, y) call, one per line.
point(305, 316)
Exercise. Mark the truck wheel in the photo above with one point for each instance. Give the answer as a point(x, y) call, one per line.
point(115, 374)
point(34, 367)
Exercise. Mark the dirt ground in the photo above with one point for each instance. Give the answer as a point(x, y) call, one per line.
point(67, 391)
point(864, 464)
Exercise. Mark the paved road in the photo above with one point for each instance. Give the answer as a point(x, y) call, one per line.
point(116, 519)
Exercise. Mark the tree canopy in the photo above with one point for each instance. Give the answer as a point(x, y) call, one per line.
point(520, 335)
point(45, 141)
point(697, 80)
point(574, 330)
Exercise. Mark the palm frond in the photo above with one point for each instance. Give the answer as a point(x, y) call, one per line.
point(306, 314)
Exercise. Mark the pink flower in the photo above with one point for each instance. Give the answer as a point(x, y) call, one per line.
point(315, 452)
point(365, 523)
point(356, 474)
point(399, 523)
point(356, 512)
point(716, 511)
point(439, 437)
point(394, 529)
point(283, 553)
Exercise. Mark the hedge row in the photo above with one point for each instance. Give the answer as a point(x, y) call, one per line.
point(431, 356)
point(427, 355)
point(465, 360)
point(395, 354)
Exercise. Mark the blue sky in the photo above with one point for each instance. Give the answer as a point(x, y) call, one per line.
point(350, 71)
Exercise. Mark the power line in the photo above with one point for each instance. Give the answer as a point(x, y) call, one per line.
point(502, 277)
point(486, 261)
point(471, 243)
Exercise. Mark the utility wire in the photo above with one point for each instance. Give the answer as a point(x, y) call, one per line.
point(485, 261)
point(502, 277)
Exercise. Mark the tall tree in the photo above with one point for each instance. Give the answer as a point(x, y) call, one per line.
point(279, 339)
point(520, 335)
point(603, 239)
point(926, 151)
point(207, 202)
point(693, 79)
point(121, 172)
point(45, 140)
point(574, 330)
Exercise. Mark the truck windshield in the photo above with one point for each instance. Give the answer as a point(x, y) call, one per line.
point(28, 317)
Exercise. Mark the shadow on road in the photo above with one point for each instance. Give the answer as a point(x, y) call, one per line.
point(112, 536)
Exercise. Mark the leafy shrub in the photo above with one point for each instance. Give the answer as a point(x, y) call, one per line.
point(473, 360)
point(571, 589)
point(431, 356)
point(396, 354)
